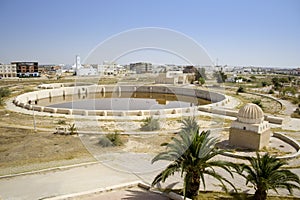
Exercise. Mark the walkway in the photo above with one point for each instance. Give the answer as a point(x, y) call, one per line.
point(116, 169)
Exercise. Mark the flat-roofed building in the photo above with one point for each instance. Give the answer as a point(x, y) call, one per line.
point(8, 70)
point(27, 69)
point(141, 67)
point(172, 77)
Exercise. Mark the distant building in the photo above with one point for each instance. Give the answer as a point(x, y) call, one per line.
point(141, 67)
point(27, 69)
point(83, 71)
point(87, 71)
point(172, 77)
point(111, 69)
point(8, 70)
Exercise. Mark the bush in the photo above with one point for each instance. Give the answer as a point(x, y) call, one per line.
point(61, 122)
point(271, 91)
point(264, 83)
point(105, 142)
point(240, 89)
point(201, 81)
point(296, 113)
point(150, 124)
point(1, 101)
point(258, 102)
point(111, 139)
point(115, 139)
point(72, 129)
point(4, 92)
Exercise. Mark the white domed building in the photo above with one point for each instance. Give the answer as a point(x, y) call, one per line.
point(250, 130)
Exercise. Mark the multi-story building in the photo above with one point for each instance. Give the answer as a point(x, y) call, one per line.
point(27, 69)
point(8, 70)
point(141, 67)
point(173, 77)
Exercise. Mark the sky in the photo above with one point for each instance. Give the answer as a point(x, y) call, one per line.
point(232, 32)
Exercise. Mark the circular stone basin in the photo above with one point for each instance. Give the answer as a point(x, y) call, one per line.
point(120, 100)
point(124, 101)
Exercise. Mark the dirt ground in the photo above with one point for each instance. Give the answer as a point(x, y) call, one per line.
point(22, 149)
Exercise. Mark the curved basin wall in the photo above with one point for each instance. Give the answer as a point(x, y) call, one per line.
point(30, 100)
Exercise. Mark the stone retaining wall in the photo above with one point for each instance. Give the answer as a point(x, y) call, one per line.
point(30, 100)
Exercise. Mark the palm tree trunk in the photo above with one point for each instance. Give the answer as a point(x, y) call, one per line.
point(260, 194)
point(194, 185)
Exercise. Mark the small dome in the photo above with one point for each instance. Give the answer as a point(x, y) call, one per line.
point(251, 114)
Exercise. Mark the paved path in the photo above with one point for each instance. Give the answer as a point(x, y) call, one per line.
point(37, 186)
point(115, 169)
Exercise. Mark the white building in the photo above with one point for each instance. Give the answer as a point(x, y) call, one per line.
point(87, 71)
point(8, 70)
point(111, 69)
point(83, 71)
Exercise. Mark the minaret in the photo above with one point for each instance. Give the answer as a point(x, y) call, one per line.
point(77, 62)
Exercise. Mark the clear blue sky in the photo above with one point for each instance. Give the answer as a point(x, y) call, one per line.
point(237, 32)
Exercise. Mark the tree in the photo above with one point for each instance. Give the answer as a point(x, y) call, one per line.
point(202, 73)
point(276, 83)
point(240, 89)
point(198, 73)
point(192, 154)
point(220, 76)
point(4, 92)
point(201, 81)
point(265, 173)
point(290, 90)
point(264, 83)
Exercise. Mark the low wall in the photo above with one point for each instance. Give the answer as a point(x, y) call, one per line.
point(30, 100)
point(280, 136)
point(234, 113)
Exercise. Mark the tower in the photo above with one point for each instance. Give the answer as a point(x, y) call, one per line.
point(77, 63)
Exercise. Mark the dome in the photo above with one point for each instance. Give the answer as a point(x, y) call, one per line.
point(251, 114)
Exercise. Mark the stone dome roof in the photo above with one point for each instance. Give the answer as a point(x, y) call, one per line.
point(251, 114)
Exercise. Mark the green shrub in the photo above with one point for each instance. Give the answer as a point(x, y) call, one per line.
point(264, 83)
point(201, 81)
point(105, 142)
point(1, 101)
point(258, 102)
point(111, 139)
point(240, 89)
point(271, 91)
point(61, 122)
point(150, 124)
point(115, 138)
point(4, 92)
point(72, 129)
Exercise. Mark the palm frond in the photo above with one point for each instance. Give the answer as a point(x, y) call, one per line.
point(170, 170)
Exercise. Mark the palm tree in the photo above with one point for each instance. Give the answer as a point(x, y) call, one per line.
point(265, 172)
point(191, 154)
point(72, 129)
